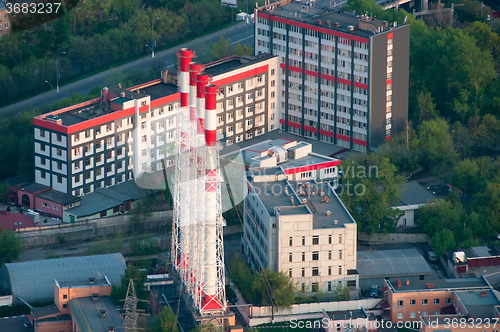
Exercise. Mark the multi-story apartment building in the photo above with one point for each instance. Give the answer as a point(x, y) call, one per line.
point(126, 132)
point(300, 228)
point(343, 77)
point(468, 304)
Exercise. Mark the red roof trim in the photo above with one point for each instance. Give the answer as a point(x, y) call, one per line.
point(241, 76)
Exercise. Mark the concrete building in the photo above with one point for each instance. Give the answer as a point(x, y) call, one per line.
point(442, 300)
point(343, 77)
point(475, 261)
point(80, 306)
point(413, 196)
point(300, 228)
point(126, 132)
point(297, 160)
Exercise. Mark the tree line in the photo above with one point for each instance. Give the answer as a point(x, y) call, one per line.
point(97, 34)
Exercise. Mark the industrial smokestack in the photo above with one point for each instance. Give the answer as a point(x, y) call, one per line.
point(211, 115)
point(194, 69)
point(185, 55)
point(201, 81)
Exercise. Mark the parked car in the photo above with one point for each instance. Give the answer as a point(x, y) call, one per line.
point(374, 290)
point(432, 256)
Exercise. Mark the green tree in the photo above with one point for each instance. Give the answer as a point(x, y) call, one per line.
point(403, 150)
point(119, 292)
point(204, 327)
point(370, 189)
point(222, 49)
point(242, 276)
point(164, 321)
point(437, 146)
point(342, 293)
point(275, 287)
point(11, 246)
point(444, 240)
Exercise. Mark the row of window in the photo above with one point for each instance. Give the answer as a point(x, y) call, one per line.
point(315, 256)
point(424, 302)
point(315, 240)
point(314, 271)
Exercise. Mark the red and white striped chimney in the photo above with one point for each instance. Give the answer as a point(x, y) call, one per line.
point(201, 81)
point(185, 55)
point(211, 115)
point(194, 69)
point(210, 300)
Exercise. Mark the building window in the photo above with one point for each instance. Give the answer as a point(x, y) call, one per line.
point(412, 314)
point(340, 238)
point(340, 269)
point(65, 296)
point(303, 240)
point(424, 301)
point(315, 271)
point(291, 241)
point(59, 165)
point(340, 254)
point(315, 287)
point(412, 302)
point(42, 133)
point(65, 306)
point(273, 83)
point(315, 255)
point(290, 273)
point(303, 256)
point(330, 239)
point(329, 270)
point(58, 137)
point(448, 300)
point(77, 178)
point(351, 283)
point(400, 315)
point(98, 171)
point(436, 301)
point(45, 204)
point(42, 147)
point(143, 139)
point(108, 127)
point(290, 257)
point(437, 312)
point(272, 72)
point(98, 159)
point(303, 287)
point(329, 254)
point(144, 153)
point(110, 154)
point(303, 272)
point(108, 168)
point(316, 239)
point(59, 179)
point(103, 214)
point(400, 303)
point(59, 152)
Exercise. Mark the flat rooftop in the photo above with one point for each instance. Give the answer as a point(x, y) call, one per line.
point(58, 197)
point(479, 306)
point(86, 312)
point(413, 193)
point(349, 314)
point(84, 283)
point(158, 90)
point(441, 284)
point(234, 62)
point(391, 263)
point(311, 11)
point(289, 196)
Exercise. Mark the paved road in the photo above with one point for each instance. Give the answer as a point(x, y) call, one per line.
point(241, 32)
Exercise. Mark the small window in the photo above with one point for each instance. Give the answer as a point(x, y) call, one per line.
point(315, 271)
point(315, 255)
point(412, 314)
point(290, 257)
point(58, 137)
point(340, 269)
point(65, 296)
point(330, 239)
point(59, 179)
point(436, 301)
point(303, 240)
point(412, 302)
point(329, 254)
point(103, 214)
point(291, 241)
point(315, 287)
point(329, 270)
point(316, 239)
point(303, 272)
point(340, 254)
point(303, 256)
point(290, 273)
point(42, 133)
point(65, 306)
point(400, 303)
point(400, 315)
point(424, 301)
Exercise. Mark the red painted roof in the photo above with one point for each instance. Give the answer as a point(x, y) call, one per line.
point(15, 221)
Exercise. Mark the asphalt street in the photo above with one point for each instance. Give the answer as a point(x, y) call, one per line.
point(241, 32)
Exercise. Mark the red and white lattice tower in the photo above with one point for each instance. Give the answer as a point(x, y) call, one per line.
point(212, 296)
point(197, 247)
point(183, 203)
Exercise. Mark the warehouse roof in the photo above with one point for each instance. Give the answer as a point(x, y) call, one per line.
point(34, 281)
point(415, 194)
point(391, 263)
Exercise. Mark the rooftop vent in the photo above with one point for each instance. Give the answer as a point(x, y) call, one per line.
point(336, 24)
point(430, 286)
point(407, 282)
point(350, 27)
point(304, 201)
point(335, 222)
point(122, 94)
point(91, 280)
point(327, 23)
point(119, 85)
point(328, 213)
point(318, 22)
point(325, 199)
point(103, 313)
point(111, 329)
point(95, 297)
point(484, 294)
point(398, 283)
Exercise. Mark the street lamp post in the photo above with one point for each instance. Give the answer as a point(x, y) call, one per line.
point(153, 41)
point(51, 87)
point(57, 70)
